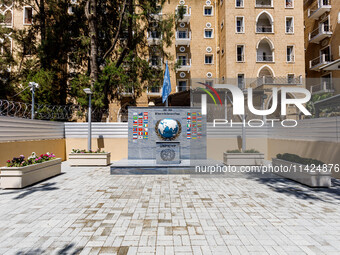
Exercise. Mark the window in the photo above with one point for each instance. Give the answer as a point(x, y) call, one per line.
point(208, 11)
point(155, 61)
point(208, 33)
point(209, 82)
point(182, 60)
point(182, 85)
point(326, 52)
point(240, 53)
point(183, 34)
point(290, 54)
point(240, 81)
point(291, 78)
point(208, 59)
point(289, 25)
point(239, 25)
point(239, 3)
point(28, 15)
point(289, 3)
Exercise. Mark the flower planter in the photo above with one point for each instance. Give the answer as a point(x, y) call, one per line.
point(89, 159)
point(243, 159)
point(20, 177)
point(309, 178)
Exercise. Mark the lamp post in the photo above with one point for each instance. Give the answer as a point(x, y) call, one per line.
point(33, 85)
point(89, 92)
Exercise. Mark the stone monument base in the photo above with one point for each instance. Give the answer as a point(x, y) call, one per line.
point(128, 166)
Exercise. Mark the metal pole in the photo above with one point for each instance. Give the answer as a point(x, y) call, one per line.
point(89, 128)
point(32, 115)
point(243, 133)
point(166, 103)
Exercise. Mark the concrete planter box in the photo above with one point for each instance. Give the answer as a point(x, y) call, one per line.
point(89, 159)
point(312, 179)
point(20, 177)
point(243, 159)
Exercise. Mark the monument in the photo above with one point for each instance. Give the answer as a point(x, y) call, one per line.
point(163, 140)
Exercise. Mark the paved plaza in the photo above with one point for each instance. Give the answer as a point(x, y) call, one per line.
point(88, 211)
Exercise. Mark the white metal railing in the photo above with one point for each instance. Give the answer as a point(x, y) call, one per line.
point(323, 87)
point(269, 80)
point(183, 35)
point(264, 29)
point(183, 63)
point(240, 29)
point(266, 58)
point(323, 28)
point(321, 4)
point(290, 58)
point(322, 59)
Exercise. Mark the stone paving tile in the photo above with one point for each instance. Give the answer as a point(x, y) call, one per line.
point(88, 211)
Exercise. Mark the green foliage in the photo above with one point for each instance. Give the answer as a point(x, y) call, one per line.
point(297, 159)
point(315, 98)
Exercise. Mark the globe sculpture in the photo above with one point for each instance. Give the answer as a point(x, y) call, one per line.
point(168, 129)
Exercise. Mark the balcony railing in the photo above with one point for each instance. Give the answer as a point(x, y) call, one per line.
point(240, 58)
point(183, 65)
point(183, 38)
point(266, 58)
point(318, 62)
point(156, 91)
point(154, 38)
point(186, 16)
point(240, 29)
point(268, 80)
point(264, 4)
point(182, 88)
point(290, 58)
point(156, 62)
point(322, 7)
point(324, 87)
point(264, 29)
point(320, 33)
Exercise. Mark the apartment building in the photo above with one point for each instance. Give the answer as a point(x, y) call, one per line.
point(248, 43)
point(322, 43)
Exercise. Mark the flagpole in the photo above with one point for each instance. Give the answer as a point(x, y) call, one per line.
point(166, 101)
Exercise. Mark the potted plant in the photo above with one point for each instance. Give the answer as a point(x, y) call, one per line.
point(79, 157)
point(311, 172)
point(250, 157)
point(21, 172)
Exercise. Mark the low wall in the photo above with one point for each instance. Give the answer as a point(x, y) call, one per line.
point(117, 146)
point(8, 150)
point(328, 152)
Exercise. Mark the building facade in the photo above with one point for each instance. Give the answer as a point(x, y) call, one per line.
point(322, 43)
point(248, 43)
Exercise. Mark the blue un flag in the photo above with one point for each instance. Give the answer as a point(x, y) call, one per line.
point(166, 84)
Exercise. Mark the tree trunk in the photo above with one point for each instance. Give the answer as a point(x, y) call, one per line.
point(91, 14)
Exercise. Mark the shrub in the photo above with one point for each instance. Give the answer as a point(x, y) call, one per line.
point(246, 151)
point(85, 151)
point(297, 159)
point(33, 159)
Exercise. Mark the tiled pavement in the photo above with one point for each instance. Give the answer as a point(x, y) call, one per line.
point(88, 211)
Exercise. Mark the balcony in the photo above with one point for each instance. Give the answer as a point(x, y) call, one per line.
point(265, 58)
point(264, 29)
point(318, 62)
point(183, 38)
point(186, 16)
point(156, 63)
point(322, 7)
point(322, 32)
point(325, 87)
point(154, 91)
point(264, 4)
point(153, 38)
point(277, 81)
point(184, 65)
